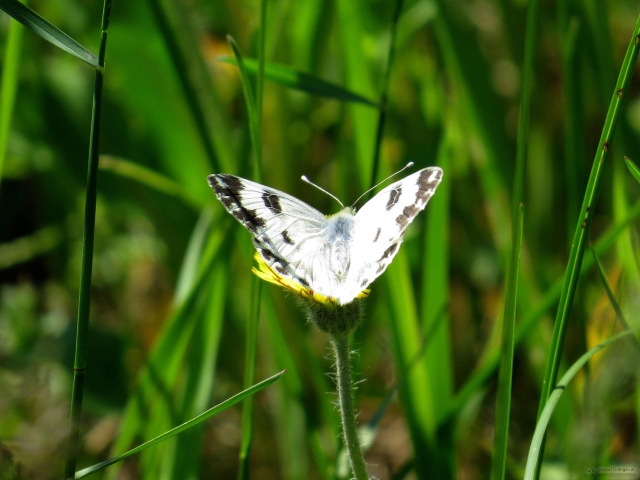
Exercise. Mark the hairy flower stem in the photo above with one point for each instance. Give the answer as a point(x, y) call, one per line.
point(340, 344)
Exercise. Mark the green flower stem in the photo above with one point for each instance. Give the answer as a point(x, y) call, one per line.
point(340, 344)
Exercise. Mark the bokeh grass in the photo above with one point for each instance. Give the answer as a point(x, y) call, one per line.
point(171, 288)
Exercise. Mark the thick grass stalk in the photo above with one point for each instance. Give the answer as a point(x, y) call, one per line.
point(340, 343)
point(82, 328)
point(505, 377)
point(584, 221)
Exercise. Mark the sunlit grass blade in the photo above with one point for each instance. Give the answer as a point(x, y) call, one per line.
point(635, 171)
point(150, 178)
point(586, 214)
point(415, 384)
point(10, 72)
point(382, 114)
point(358, 78)
point(46, 30)
point(84, 302)
point(25, 248)
point(505, 377)
point(302, 81)
point(181, 428)
point(487, 368)
point(185, 53)
point(537, 442)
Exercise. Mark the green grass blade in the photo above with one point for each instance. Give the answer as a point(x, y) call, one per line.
point(415, 384)
point(184, 49)
point(537, 442)
point(359, 78)
point(150, 178)
point(9, 87)
point(46, 30)
point(84, 302)
point(181, 428)
point(505, 377)
point(586, 214)
point(382, 114)
point(635, 171)
point(304, 82)
point(254, 108)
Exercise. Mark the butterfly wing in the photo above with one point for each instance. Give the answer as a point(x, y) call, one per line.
point(289, 234)
point(380, 226)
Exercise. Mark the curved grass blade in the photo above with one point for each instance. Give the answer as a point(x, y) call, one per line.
point(46, 30)
point(9, 85)
point(635, 171)
point(149, 178)
point(586, 214)
point(297, 80)
point(84, 301)
point(537, 442)
point(505, 377)
point(181, 428)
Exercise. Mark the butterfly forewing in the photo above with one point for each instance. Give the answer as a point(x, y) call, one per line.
point(380, 226)
point(288, 233)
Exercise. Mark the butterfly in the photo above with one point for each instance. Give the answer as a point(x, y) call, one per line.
point(332, 258)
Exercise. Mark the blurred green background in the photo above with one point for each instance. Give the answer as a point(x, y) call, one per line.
point(172, 274)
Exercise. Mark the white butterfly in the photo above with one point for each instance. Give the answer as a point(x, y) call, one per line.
point(337, 256)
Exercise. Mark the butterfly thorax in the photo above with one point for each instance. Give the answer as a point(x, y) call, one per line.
point(339, 235)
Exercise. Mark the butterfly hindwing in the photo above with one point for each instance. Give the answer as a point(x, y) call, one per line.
point(381, 223)
point(288, 233)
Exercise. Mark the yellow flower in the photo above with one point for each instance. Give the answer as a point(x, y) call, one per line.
point(265, 272)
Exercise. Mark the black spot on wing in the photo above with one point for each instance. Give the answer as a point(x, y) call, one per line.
point(272, 202)
point(364, 283)
point(286, 238)
point(408, 214)
point(228, 189)
point(427, 183)
point(377, 235)
point(388, 252)
point(394, 197)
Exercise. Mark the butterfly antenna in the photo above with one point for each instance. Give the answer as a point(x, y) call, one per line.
point(408, 165)
point(305, 179)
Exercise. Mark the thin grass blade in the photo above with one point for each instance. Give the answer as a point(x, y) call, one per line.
point(537, 442)
point(505, 377)
point(609, 291)
point(150, 178)
point(584, 221)
point(46, 30)
point(304, 82)
point(635, 171)
point(84, 301)
point(181, 428)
